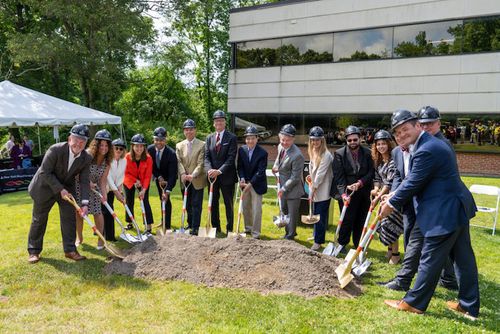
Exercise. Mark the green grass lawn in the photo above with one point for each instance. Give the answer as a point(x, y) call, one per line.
point(59, 296)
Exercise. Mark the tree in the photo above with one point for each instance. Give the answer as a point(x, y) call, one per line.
point(94, 42)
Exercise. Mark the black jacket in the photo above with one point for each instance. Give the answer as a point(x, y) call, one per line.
point(168, 165)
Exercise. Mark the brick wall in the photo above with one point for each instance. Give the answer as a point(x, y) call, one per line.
point(487, 164)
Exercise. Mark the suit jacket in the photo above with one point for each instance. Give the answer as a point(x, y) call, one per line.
point(442, 203)
point(345, 172)
point(192, 164)
point(225, 160)
point(143, 173)
point(291, 172)
point(168, 165)
point(399, 176)
point(53, 175)
point(253, 171)
point(322, 176)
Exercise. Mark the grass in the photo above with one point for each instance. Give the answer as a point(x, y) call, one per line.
point(57, 295)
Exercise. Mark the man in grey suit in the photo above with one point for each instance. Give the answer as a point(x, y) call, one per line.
point(54, 180)
point(290, 166)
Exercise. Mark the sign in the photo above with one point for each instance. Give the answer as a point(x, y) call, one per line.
point(16, 179)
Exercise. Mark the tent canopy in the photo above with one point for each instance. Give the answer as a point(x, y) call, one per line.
point(20, 106)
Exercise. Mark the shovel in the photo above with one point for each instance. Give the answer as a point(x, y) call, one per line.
point(282, 220)
point(310, 219)
point(143, 210)
point(140, 236)
point(184, 210)
point(344, 270)
point(333, 249)
point(124, 235)
point(163, 230)
point(208, 231)
point(240, 211)
point(109, 247)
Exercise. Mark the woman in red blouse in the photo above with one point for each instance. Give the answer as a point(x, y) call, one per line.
point(138, 174)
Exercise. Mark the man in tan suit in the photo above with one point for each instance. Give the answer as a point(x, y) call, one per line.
point(190, 157)
point(54, 180)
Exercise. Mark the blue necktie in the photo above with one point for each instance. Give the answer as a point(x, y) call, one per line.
point(158, 159)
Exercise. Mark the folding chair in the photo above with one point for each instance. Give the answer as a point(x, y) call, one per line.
point(490, 191)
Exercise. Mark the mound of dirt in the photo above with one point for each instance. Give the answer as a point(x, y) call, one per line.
point(267, 266)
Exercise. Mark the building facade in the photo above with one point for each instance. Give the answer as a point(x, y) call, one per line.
point(333, 62)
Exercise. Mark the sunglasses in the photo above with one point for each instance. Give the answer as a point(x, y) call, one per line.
point(119, 148)
point(352, 140)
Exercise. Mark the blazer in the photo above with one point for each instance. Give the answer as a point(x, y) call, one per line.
point(192, 164)
point(291, 172)
point(253, 171)
point(53, 175)
point(322, 176)
point(168, 165)
point(143, 173)
point(442, 204)
point(225, 160)
point(346, 173)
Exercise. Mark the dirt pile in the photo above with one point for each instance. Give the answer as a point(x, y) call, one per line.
point(267, 266)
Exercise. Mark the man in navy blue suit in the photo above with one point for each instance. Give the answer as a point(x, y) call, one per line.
point(252, 163)
point(443, 209)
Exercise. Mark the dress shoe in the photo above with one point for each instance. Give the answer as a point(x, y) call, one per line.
point(401, 305)
point(33, 258)
point(455, 306)
point(75, 256)
point(129, 226)
point(393, 285)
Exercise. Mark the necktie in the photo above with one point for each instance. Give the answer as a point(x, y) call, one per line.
point(249, 155)
point(158, 157)
point(282, 155)
point(404, 149)
point(217, 143)
point(190, 147)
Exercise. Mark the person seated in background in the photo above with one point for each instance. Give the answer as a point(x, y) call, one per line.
point(20, 152)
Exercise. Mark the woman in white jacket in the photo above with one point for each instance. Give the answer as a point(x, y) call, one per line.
point(115, 186)
point(320, 169)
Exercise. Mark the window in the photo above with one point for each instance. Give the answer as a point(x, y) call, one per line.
point(258, 53)
point(363, 44)
point(307, 49)
point(427, 39)
point(480, 35)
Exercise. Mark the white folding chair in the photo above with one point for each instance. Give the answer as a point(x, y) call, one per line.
point(269, 173)
point(490, 191)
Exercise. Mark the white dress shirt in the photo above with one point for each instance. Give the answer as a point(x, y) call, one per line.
point(116, 174)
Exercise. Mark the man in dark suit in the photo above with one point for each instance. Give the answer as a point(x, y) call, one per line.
point(443, 210)
point(353, 170)
point(220, 163)
point(54, 180)
point(164, 170)
point(252, 163)
point(413, 236)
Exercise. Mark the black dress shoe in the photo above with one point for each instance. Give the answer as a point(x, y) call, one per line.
point(393, 285)
point(385, 282)
point(129, 226)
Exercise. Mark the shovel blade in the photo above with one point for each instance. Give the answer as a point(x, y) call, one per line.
point(344, 274)
point(181, 231)
point(208, 232)
point(350, 255)
point(328, 249)
point(309, 220)
point(362, 268)
point(336, 250)
point(236, 235)
point(130, 238)
point(281, 221)
point(116, 252)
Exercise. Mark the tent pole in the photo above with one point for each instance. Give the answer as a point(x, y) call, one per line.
point(39, 145)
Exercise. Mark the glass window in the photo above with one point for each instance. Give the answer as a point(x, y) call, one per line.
point(258, 53)
point(363, 44)
point(307, 49)
point(267, 125)
point(480, 35)
point(427, 39)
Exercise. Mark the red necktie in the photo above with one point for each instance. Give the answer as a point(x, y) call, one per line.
point(217, 143)
point(282, 154)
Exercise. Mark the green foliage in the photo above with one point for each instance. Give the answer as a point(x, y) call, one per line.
point(57, 295)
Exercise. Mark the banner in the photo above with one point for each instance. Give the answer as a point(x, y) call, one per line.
point(16, 179)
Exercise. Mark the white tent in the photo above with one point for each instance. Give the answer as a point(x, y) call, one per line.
point(20, 106)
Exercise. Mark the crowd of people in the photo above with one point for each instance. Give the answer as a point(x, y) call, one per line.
point(19, 150)
point(414, 179)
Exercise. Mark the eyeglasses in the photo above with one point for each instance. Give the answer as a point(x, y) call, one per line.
point(119, 148)
point(352, 140)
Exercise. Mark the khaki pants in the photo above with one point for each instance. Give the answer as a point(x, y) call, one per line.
point(252, 212)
